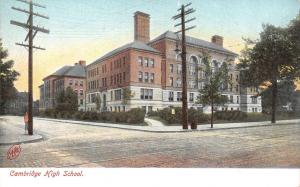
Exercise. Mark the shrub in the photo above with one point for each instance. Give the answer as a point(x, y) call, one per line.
point(135, 115)
point(194, 115)
point(258, 117)
point(231, 115)
point(85, 116)
point(60, 115)
point(76, 115)
point(153, 113)
point(93, 116)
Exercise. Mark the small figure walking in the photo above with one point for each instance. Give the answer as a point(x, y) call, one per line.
point(26, 121)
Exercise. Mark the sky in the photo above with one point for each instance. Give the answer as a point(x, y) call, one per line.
point(87, 29)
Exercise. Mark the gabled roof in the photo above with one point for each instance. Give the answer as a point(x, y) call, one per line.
point(192, 41)
point(133, 45)
point(74, 71)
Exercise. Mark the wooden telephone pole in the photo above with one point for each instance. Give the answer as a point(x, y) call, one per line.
point(183, 13)
point(32, 31)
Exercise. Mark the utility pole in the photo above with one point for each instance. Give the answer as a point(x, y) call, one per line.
point(183, 13)
point(32, 31)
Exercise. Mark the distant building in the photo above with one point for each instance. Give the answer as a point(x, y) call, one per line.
point(18, 105)
point(151, 70)
point(67, 76)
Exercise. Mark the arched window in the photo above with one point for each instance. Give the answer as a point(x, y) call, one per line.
point(215, 65)
point(193, 66)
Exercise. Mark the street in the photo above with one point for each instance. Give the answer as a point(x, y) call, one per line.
point(74, 145)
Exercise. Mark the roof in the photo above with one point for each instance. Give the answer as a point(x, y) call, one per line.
point(133, 45)
point(74, 71)
point(193, 41)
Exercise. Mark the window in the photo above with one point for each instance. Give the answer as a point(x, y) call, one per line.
point(81, 101)
point(254, 100)
point(142, 93)
point(124, 62)
point(146, 62)
point(76, 82)
point(231, 99)
point(171, 96)
point(171, 68)
point(81, 83)
point(146, 77)
point(146, 94)
point(230, 76)
point(151, 61)
point(140, 61)
point(152, 77)
point(191, 97)
point(192, 70)
point(76, 91)
point(118, 94)
point(179, 96)
point(179, 68)
point(71, 82)
point(237, 78)
point(81, 92)
point(93, 98)
point(237, 88)
point(178, 82)
point(216, 65)
point(140, 76)
point(192, 84)
point(124, 76)
point(171, 81)
point(237, 99)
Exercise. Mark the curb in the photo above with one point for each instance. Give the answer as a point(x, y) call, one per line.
point(162, 131)
point(23, 142)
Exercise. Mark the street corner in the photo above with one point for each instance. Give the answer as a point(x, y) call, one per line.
point(14, 139)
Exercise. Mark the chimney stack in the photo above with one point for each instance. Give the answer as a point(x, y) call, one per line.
point(141, 27)
point(217, 40)
point(82, 62)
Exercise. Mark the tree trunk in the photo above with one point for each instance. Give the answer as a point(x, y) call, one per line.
point(274, 98)
point(212, 114)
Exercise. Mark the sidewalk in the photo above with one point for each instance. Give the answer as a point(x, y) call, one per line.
point(157, 127)
point(12, 133)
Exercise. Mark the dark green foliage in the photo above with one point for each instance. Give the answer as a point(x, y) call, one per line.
point(7, 78)
point(126, 95)
point(231, 115)
point(286, 94)
point(274, 57)
point(134, 116)
point(66, 100)
point(98, 102)
point(217, 81)
point(193, 115)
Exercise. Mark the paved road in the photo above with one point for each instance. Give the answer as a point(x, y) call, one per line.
point(73, 145)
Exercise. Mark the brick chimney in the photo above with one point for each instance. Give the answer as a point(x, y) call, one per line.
point(141, 27)
point(217, 40)
point(82, 62)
